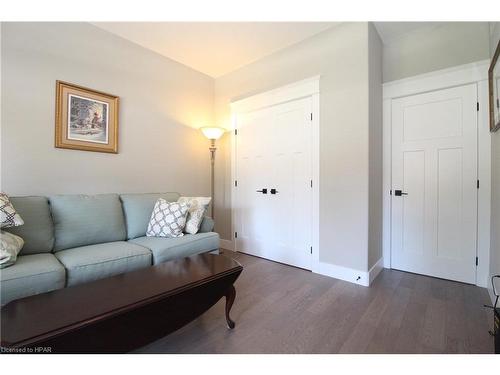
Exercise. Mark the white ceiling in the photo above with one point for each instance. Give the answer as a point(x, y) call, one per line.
point(215, 48)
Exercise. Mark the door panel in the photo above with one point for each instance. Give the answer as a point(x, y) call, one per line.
point(414, 204)
point(434, 151)
point(420, 120)
point(273, 151)
point(450, 194)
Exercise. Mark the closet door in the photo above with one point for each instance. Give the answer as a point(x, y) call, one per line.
point(274, 195)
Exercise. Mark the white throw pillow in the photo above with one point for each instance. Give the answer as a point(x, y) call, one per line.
point(197, 208)
point(8, 215)
point(10, 246)
point(167, 220)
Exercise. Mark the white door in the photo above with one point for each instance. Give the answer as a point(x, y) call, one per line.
point(434, 167)
point(273, 151)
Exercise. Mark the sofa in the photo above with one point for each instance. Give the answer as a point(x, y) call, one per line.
point(74, 239)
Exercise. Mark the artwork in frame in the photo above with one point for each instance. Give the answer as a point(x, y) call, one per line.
point(86, 119)
point(494, 88)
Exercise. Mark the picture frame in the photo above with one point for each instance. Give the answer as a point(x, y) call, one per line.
point(85, 119)
point(494, 90)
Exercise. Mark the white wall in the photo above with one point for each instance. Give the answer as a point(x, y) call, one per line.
point(375, 216)
point(161, 102)
point(340, 57)
point(435, 47)
point(495, 175)
point(0, 103)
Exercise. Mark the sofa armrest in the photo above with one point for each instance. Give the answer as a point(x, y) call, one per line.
point(207, 225)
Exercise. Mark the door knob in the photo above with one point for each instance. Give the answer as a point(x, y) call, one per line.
point(399, 193)
point(274, 191)
point(263, 191)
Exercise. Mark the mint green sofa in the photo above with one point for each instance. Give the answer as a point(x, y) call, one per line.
point(74, 239)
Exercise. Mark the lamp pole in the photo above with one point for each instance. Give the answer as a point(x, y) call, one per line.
point(212, 149)
point(212, 133)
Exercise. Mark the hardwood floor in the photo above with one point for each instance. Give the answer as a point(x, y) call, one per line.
point(282, 309)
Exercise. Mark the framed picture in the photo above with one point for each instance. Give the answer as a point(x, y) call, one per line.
point(86, 119)
point(494, 84)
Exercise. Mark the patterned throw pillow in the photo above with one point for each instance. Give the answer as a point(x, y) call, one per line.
point(167, 220)
point(10, 246)
point(8, 215)
point(197, 208)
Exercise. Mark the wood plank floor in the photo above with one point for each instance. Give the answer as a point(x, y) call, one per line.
point(282, 309)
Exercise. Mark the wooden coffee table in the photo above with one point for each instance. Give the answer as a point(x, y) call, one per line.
point(120, 313)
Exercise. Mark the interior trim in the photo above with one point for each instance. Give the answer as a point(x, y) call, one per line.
point(283, 94)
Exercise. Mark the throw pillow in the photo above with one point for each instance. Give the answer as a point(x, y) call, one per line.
point(10, 246)
point(167, 220)
point(197, 208)
point(8, 215)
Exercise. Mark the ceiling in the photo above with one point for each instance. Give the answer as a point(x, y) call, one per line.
point(215, 48)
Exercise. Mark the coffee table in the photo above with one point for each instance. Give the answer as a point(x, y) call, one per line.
point(120, 313)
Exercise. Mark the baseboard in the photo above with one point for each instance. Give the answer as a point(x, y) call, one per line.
point(227, 245)
point(343, 273)
point(375, 270)
point(350, 274)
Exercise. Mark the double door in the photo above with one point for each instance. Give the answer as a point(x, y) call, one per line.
point(273, 198)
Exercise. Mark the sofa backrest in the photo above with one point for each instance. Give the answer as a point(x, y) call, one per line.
point(81, 220)
point(138, 209)
point(38, 229)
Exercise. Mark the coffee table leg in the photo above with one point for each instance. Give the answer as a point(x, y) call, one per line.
point(230, 296)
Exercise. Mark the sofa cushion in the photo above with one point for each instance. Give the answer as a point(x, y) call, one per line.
point(197, 208)
point(81, 220)
point(138, 209)
point(168, 219)
point(8, 215)
point(38, 229)
point(207, 225)
point(32, 274)
point(165, 249)
point(10, 246)
point(88, 263)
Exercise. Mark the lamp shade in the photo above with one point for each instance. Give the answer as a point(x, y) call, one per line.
point(213, 132)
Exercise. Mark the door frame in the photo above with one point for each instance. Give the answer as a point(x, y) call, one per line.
point(301, 89)
point(474, 73)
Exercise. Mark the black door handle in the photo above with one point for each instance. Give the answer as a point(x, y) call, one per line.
point(399, 193)
point(263, 191)
point(274, 191)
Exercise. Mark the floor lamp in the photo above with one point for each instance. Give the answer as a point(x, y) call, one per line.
point(212, 133)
